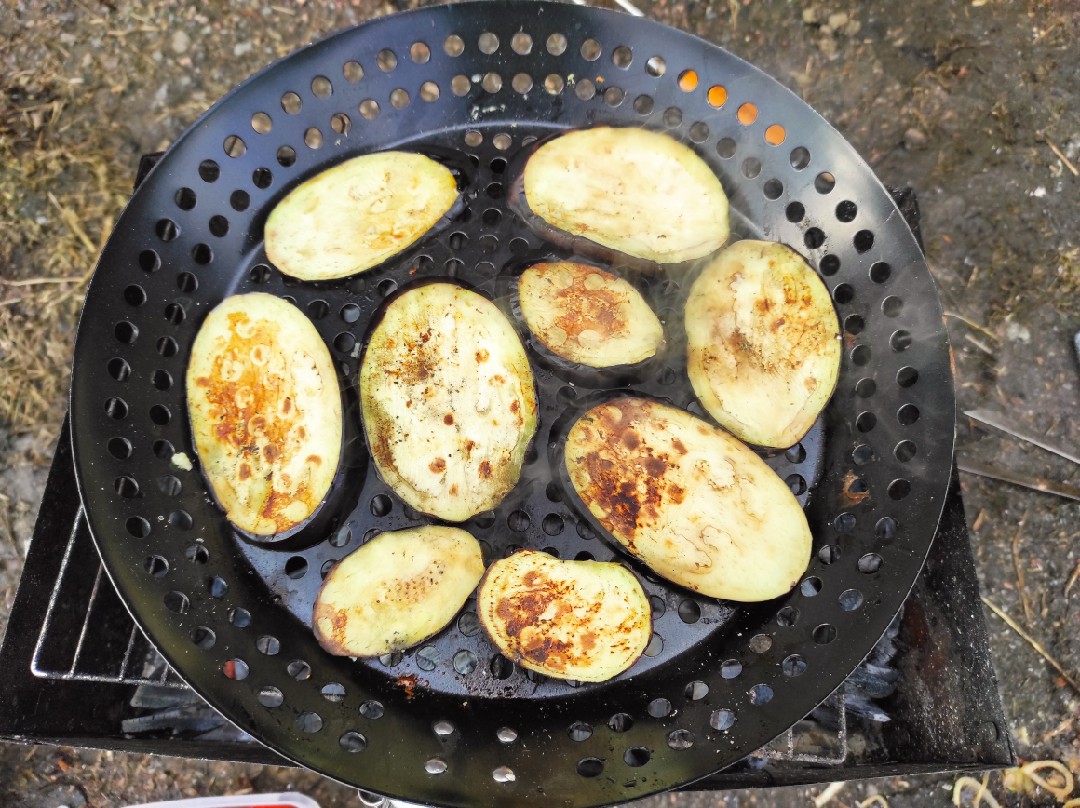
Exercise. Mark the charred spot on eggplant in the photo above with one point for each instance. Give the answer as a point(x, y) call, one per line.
point(265, 409)
point(763, 343)
point(609, 192)
point(583, 620)
point(691, 502)
point(588, 316)
point(396, 591)
point(353, 217)
point(448, 401)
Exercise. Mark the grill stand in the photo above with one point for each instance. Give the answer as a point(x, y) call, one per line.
point(80, 672)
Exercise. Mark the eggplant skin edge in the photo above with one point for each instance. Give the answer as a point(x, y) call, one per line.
point(355, 216)
point(582, 620)
point(396, 591)
point(623, 192)
point(265, 408)
point(448, 401)
point(687, 499)
point(763, 343)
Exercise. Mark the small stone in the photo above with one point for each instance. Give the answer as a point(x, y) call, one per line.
point(914, 138)
point(838, 20)
point(242, 48)
point(1015, 332)
point(810, 15)
point(853, 27)
point(180, 42)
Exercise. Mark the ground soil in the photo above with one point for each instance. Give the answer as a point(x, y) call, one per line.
point(975, 103)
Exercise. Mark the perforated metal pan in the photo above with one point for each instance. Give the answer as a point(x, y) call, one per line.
point(452, 722)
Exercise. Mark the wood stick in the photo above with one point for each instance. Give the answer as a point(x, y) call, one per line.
point(1033, 643)
point(1040, 484)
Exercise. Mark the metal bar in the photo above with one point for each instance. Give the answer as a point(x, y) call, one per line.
point(54, 596)
point(127, 653)
point(999, 421)
point(86, 620)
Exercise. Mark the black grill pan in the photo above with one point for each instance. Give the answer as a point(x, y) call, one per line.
point(454, 723)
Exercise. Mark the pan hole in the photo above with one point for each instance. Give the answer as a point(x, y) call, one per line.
point(854, 324)
point(637, 756)
point(688, 81)
point(722, 719)
point(760, 643)
point(327, 565)
point(672, 117)
point(488, 43)
point(506, 735)
point(313, 138)
point(217, 587)
point(296, 567)
point(308, 722)
point(824, 634)
point(116, 408)
point(725, 147)
point(614, 96)
point(657, 606)
point(880, 272)
point(350, 313)
point(747, 113)
point(585, 90)
point(120, 448)
point(459, 85)
point(203, 637)
point(174, 313)
point(799, 158)
point(844, 293)
point(429, 91)
point(454, 45)
point(270, 697)
point(907, 376)
point(655, 646)
point(386, 60)
point(773, 189)
point(814, 238)
point(518, 521)
point(892, 306)
point(119, 369)
point(590, 50)
point(796, 454)
point(492, 82)
point(553, 524)
point(372, 709)
point(465, 662)
point(829, 265)
point(885, 528)
point(340, 123)
point(239, 200)
point(321, 87)
point(904, 451)
point(167, 230)
point(899, 489)
point(795, 212)
point(622, 57)
point(787, 617)
point(590, 767)
point(644, 105)
point(344, 342)
point(369, 109)
point(286, 156)
point(730, 668)
point(846, 211)
point(333, 692)
point(469, 624)
point(317, 309)
point(381, 505)
point(554, 83)
point(907, 415)
point(427, 658)
point(829, 554)
point(202, 254)
point(126, 487)
point(862, 454)
point(353, 71)
point(198, 554)
point(260, 273)
point(156, 565)
point(234, 146)
point(844, 523)
point(584, 531)
point(268, 645)
point(793, 665)
point(443, 728)
point(149, 261)
point(209, 171)
point(870, 563)
point(775, 135)
point(580, 731)
point(502, 142)
point(620, 722)
point(863, 241)
point(689, 611)
point(435, 766)
point(850, 600)
point(751, 167)
point(717, 96)
point(680, 739)
point(659, 708)
point(352, 742)
point(181, 520)
point(824, 182)
point(299, 670)
point(176, 602)
point(521, 44)
point(399, 98)
point(697, 690)
point(387, 286)
point(291, 103)
point(656, 66)
point(160, 414)
point(138, 527)
point(185, 199)
point(810, 586)
point(860, 355)
point(501, 667)
point(262, 177)
point(760, 694)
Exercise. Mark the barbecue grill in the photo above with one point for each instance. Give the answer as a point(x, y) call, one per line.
point(461, 723)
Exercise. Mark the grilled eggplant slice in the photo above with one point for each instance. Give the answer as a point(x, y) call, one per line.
point(265, 408)
point(690, 501)
point(582, 620)
point(763, 343)
point(448, 401)
point(397, 590)
point(587, 315)
point(628, 192)
point(356, 215)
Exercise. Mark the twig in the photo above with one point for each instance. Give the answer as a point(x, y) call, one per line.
point(40, 281)
point(999, 421)
point(826, 796)
point(1073, 578)
point(982, 346)
point(1020, 583)
point(969, 322)
point(1033, 643)
point(1040, 484)
point(1061, 157)
point(72, 221)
